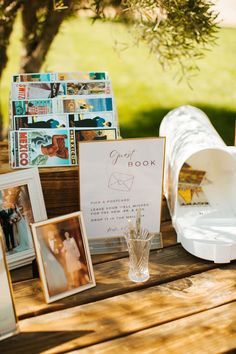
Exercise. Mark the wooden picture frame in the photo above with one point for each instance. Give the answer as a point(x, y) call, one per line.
point(8, 318)
point(63, 256)
point(21, 203)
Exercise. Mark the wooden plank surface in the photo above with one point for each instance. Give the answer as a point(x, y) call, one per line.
point(22, 273)
point(124, 315)
point(111, 277)
point(210, 332)
point(187, 306)
point(168, 236)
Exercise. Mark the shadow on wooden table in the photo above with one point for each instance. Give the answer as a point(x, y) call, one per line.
point(47, 339)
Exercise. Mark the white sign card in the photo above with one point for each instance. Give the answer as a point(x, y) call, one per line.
point(116, 179)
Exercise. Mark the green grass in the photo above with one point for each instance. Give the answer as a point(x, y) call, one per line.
point(144, 92)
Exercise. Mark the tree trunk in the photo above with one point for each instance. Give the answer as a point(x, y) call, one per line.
point(8, 11)
point(38, 36)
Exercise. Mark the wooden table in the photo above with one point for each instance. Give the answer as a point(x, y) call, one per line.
point(187, 306)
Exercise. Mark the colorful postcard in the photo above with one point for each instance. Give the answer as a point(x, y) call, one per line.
point(93, 120)
point(189, 176)
point(37, 90)
point(48, 147)
point(82, 104)
point(8, 320)
point(50, 121)
point(32, 107)
point(36, 77)
point(190, 191)
point(21, 203)
point(95, 134)
point(82, 76)
point(63, 256)
point(65, 120)
point(47, 77)
point(194, 196)
point(88, 88)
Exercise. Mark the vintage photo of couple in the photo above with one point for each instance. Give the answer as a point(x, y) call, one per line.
point(15, 217)
point(61, 251)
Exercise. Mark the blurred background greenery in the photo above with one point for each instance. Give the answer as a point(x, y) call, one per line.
point(144, 93)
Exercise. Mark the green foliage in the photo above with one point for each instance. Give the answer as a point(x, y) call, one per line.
point(144, 93)
point(176, 31)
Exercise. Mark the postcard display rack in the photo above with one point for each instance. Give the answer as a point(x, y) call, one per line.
point(51, 112)
point(200, 188)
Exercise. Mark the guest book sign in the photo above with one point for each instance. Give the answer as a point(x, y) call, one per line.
point(116, 179)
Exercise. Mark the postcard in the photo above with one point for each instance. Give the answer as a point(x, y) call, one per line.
point(190, 176)
point(88, 88)
point(49, 121)
point(117, 178)
point(63, 256)
point(193, 196)
point(79, 104)
point(37, 90)
point(32, 107)
point(35, 77)
point(47, 77)
point(93, 120)
point(82, 76)
point(43, 147)
point(95, 134)
point(21, 203)
point(8, 320)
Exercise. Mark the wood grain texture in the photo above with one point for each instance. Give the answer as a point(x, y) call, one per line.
point(60, 190)
point(126, 314)
point(4, 157)
point(111, 277)
point(210, 332)
point(22, 273)
point(169, 239)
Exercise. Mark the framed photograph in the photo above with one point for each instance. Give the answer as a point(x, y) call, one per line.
point(8, 319)
point(63, 256)
point(21, 203)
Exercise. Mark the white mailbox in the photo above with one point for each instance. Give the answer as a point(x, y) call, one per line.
point(200, 184)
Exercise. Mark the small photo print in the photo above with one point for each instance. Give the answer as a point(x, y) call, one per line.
point(8, 320)
point(15, 217)
point(63, 256)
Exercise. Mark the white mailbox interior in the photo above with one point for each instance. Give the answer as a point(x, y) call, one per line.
point(200, 185)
